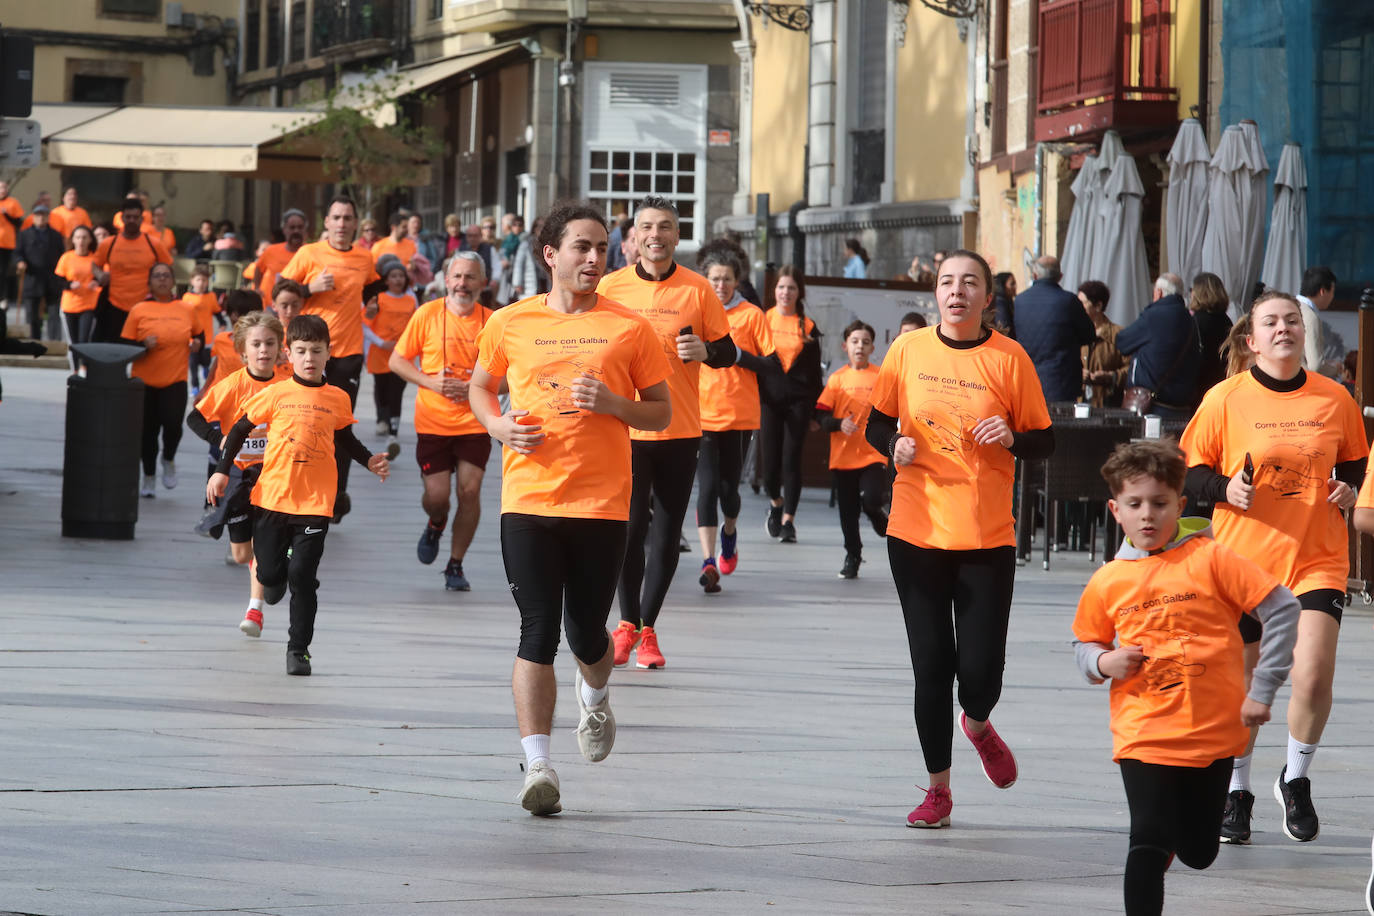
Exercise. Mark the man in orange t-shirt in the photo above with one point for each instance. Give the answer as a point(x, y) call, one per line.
point(397, 243)
point(69, 215)
point(442, 334)
point(691, 323)
point(341, 278)
point(582, 371)
point(275, 257)
point(121, 265)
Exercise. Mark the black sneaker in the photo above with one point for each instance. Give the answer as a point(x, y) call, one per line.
point(851, 566)
point(879, 523)
point(454, 580)
point(1299, 817)
point(773, 524)
point(298, 663)
point(342, 506)
point(273, 593)
point(1235, 821)
point(788, 534)
point(427, 551)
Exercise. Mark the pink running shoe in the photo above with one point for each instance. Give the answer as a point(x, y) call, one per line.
point(251, 625)
point(934, 811)
point(999, 766)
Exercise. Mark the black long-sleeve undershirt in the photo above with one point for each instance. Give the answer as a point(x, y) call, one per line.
point(721, 354)
point(1031, 445)
point(759, 365)
point(1205, 485)
point(196, 423)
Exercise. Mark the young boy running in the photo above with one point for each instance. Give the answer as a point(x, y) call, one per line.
point(199, 298)
point(307, 422)
point(1161, 622)
point(860, 470)
point(257, 339)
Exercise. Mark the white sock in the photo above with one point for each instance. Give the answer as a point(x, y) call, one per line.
point(591, 696)
point(536, 749)
point(256, 604)
point(1299, 758)
point(1240, 774)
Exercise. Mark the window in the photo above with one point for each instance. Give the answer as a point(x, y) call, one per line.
point(252, 37)
point(298, 30)
point(868, 134)
point(274, 33)
point(436, 9)
point(618, 178)
point(131, 7)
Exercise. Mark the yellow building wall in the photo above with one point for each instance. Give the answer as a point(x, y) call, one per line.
point(778, 160)
point(932, 99)
point(1007, 220)
point(1187, 54)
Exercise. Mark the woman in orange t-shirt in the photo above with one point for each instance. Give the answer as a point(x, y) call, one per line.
point(1281, 453)
point(79, 298)
point(954, 406)
point(166, 330)
point(788, 400)
point(383, 321)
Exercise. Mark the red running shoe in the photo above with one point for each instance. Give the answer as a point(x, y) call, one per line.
point(710, 577)
point(729, 556)
point(934, 811)
point(624, 638)
point(999, 766)
point(251, 625)
point(648, 655)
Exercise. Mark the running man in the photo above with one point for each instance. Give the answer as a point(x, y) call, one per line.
point(122, 263)
point(575, 362)
point(691, 323)
point(450, 441)
point(275, 257)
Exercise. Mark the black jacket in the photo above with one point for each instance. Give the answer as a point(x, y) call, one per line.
point(1213, 329)
point(1052, 326)
point(39, 249)
point(1164, 336)
point(800, 384)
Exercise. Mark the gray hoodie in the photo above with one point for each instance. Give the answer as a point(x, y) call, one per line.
point(1278, 613)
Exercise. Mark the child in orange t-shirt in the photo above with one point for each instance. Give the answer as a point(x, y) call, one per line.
point(1161, 622)
point(224, 362)
point(306, 421)
point(205, 304)
point(860, 470)
point(383, 321)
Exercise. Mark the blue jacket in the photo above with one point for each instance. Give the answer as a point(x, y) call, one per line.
point(1154, 342)
point(1051, 325)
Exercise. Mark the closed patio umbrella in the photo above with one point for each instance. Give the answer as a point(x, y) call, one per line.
point(1121, 249)
point(1100, 230)
point(1186, 220)
point(1226, 247)
point(1287, 248)
point(1258, 208)
point(1086, 187)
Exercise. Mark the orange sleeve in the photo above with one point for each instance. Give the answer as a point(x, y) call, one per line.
point(1202, 438)
point(63, 266)
point(102, 253)
point(211, 404)
point(763, 334)
point(131, 324)
point(884, 397)
point(344, 410)
point(163, 255)
point(1353, 444)
point(491, 351)
point(298, 268)
point(411, 343)
point(1243, 583)
point(1091, 623)
point(827, 398)
point(259, 408)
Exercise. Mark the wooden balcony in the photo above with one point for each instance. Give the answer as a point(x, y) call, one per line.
point(1104, 64)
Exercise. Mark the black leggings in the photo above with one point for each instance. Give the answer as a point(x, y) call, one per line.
point(164, 409)
point(387, 389)
point(274, 533)
point(1174, 811)
point(80, 328)
point(970, 643)
point(562, 569)
point(862, 489)
point(663, 472)
point(782, 431)
point(718, 472)
point(344, 372)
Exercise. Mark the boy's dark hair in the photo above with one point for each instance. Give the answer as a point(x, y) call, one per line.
point(286, 283)
point(200, 270)
point(859, 326)
point(1315, 279)
point(307, 328)
point(239, 302)
point(564, 212)
point(1160, 459)
point(915, 318)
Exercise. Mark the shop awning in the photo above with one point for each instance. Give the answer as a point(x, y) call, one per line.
point(57, 118)
point(372, 93)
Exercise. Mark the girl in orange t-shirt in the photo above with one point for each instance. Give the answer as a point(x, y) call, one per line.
point(79, 298)
point(205, 303)
point(383, 321)
point(1281, 453)
point(167, 331)
point(788, 401)
point(954, 406)
point(859, 469)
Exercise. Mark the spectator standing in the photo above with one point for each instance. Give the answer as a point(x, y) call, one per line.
point(43, 198)
point(426, 244)
point(11, 217)
point(1208, 303)
point(228, 247)
point(530, 278)
point(510, 247)
point(1003, 296)
point(203, 245)
point(855, 260)
point(453, 234)
point(474, 241)
point(1052, 327)
point(122, 264)
point(1164, 350)
point(37, 252)
point(368, 234)
point(1104, 368)
point(1318, 289)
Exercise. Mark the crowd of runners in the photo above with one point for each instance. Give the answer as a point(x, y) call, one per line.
point(613, 395)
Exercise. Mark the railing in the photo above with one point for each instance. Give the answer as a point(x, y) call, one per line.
point(1103, 48)
point(343, 22)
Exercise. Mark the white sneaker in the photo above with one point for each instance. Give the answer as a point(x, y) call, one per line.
point(169, 474)
point(382, 428)
point(595, 724)
point(539, 795)
point(393, 449)
point(149, 488)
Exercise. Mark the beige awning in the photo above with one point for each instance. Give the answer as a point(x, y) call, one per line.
point(372, 94)
point(54, 117)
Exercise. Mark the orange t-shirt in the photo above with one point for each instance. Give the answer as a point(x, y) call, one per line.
point(679, 300)
point(174, 325)
point(404, 249)
point(76, 268)
point(956, 495)
point(582, 468)
point(1182, 605)
point(269, 266)
point(166, 236)
point(846, 394)
point(128, 261)
point(341, 307)
point(65, 219)
point(1295, 439)
point(789, 335)
point(298, 472)
point(226, 358)
point(204, 306)
point(393, 313)
point(224, 401)
point(730, 396)
point(9, 233)
point(443, 340)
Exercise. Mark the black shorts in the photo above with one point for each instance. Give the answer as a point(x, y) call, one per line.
point(1327, 600)
point(438, 454)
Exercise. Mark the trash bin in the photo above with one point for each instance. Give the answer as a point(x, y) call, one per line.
point(101, 456)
